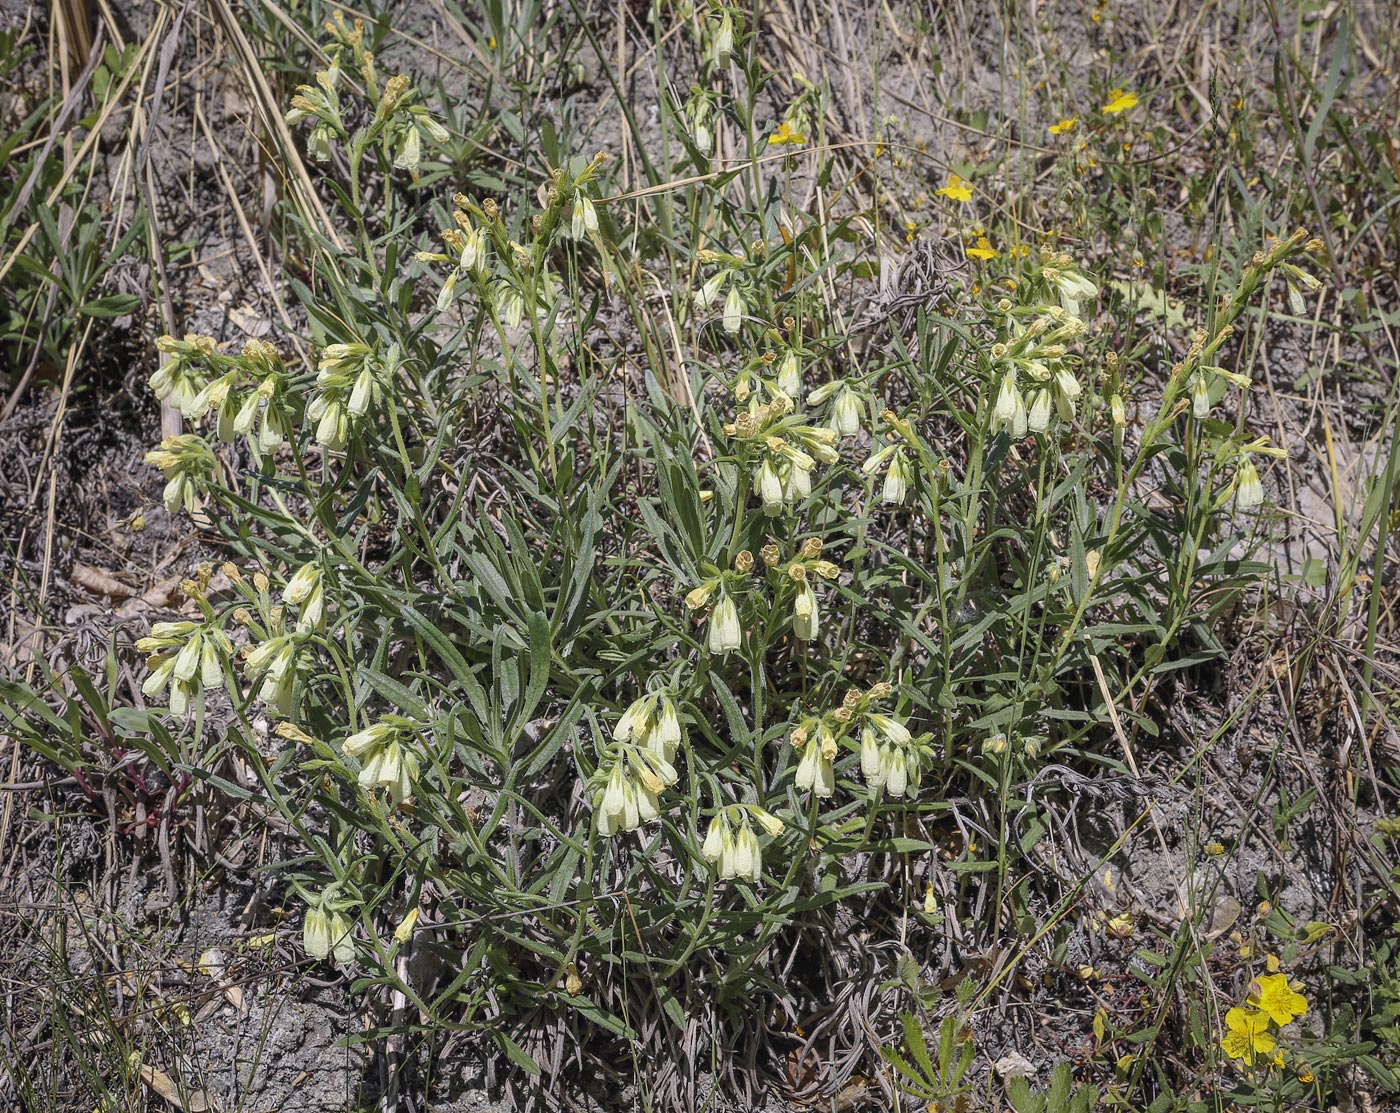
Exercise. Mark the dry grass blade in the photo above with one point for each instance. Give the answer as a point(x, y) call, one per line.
point(72, 20)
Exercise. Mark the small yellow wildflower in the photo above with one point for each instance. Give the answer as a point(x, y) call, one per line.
point(1119, 101)
point(1121, 926)
point(1305, 1076)
point(786, 134)
point(1064, 126)
point(1277, 998)
point(1248, 1035)
point(983, 250)
point(955, 190)
point(1215, 849)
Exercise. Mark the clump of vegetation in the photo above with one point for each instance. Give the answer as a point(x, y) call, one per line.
point(640, 649)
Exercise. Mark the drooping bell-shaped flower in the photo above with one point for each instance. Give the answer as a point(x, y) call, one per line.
point(726, 635)
point(733, 311)
point(806, 619)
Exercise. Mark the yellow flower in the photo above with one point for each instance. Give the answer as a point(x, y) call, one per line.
point(956, 189)
point(1064, 126)
point(1248, 1035)
point(1119, 101)
point(983, 250)
point(786, 133)
point(1277, 998)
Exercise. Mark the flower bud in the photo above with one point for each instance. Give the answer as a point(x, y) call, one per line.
point(698, 597)
point(404, 931)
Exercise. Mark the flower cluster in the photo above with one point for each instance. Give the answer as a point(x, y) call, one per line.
point(468, 251)
point(274, 658)
point(351, 378)
point(1034, 363)
point(655, 723)
point(898, 458)
point(791, 585)
point(891, 758)
point(731, 273)
point(247, 394)
point(320, 103)
point(188, 657)
point(627, 786)
point(511, 279)
point(1252, 1032)
point(386, 756)
point(326, 931)
point(639, 764)
point(182, 377)
point(731, 843)
point(398, 123)
point(781, 451)
point(188, 467)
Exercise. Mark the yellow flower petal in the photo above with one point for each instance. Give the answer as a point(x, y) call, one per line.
point(786, 133)
point(1237, 1047)
point(1119, 101)
point(1064, 126)
point(983, 250)
point(956, 189)
point(1278, 999)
